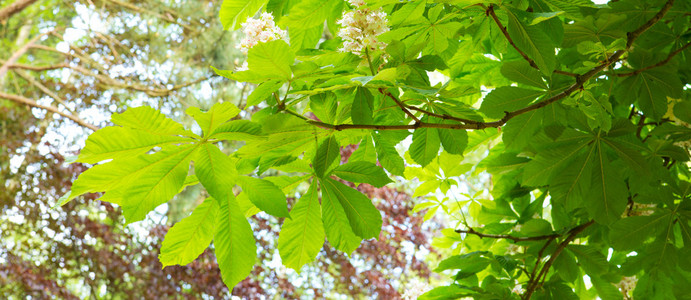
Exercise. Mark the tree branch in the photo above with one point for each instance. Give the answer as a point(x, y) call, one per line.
point(32, 103)
point(15, 7)
point(509, 237)
point(660, 63)
point(532, 285)
point(17, 54)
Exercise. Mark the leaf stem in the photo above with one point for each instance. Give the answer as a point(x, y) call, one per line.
point(369, 61)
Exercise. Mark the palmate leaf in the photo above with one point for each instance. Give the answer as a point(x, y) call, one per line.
point(212, 119)
point(187, 239)
point(234, 243)
point(302, 236)
point(364, 218)
point(630, 233)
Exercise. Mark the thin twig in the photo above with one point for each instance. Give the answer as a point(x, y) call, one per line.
point(401, 105)
point(543, 272)
point(32, 103)
point(659, 64)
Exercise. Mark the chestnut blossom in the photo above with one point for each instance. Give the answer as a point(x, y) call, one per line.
point(260, 30)
point(360, 28)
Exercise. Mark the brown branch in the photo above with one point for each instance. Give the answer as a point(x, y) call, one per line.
point(38, 68)
point(15, 7)
point(490, 11)
point(32, 103)
point(532, 285)
point(660, 63)
point(508, 237)
point(17, 54)
point(44, 89)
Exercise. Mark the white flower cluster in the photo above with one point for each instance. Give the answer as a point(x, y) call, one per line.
point(260, 30)
point(627, 284)
point(360, 28)
point(415, 289)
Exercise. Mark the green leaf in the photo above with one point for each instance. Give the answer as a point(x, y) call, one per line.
point(324, 106)
point(327, 154)
point(450, 292)
point(566, 267)
point(388, 156)
point(150, 120)
point(364, 218)
point(164, 176)
point(271, 59)
point(650, 89)
point(187, 239)
point(362, 171)
point(265, 195)
point(212, 119)
point(363, 104)
point(425, 146)
point(338, 229)
point(238, 130)
point(554, 157)
point(467, 263)
point(454, 141)
point(262, 91)
point(630, 233)
point(365, 151)
point(308, 14)
point(234, 243)
point(533, 41)
point(519, 131)
point(215, 171)
point(302, 236)
point(235, 12)
point(606, 199)
point(122, 142)
point(605, 290)
point(507, 98)
point(520, 71)
point(592, 261)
